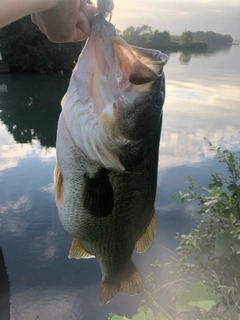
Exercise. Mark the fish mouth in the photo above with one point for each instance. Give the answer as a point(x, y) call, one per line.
point(109, 78)
point(130, 64)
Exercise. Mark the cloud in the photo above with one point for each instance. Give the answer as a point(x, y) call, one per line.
point(175, 16)
point(220, 95)
point(23, 204)
point(48, 246)
point(15, 224)
point(49, 188)
point(188, 147)
point(11, 153)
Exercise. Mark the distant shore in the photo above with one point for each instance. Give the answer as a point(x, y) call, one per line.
point(35, 53)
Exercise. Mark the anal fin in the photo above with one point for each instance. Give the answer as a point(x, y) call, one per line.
point(78, 252)
point(132, 285)
point(144, 242)
point(98, 194)
point(58, 184)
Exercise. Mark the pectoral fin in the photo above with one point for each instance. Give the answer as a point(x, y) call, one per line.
point(98, 194)
point(58, 183)
point(78, 252)
point(144, 242)
point(141, 74)
point(131, 285)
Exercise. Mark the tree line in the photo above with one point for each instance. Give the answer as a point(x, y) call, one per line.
point(27, 49)
point(145, 36)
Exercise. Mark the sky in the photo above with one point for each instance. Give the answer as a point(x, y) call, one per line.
point(176, 16)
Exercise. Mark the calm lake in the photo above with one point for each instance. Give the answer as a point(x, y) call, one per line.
point(202, 101)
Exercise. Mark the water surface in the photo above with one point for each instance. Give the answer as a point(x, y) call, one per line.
point(203, 100)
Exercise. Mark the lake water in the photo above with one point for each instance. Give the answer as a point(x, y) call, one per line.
point(202, 101)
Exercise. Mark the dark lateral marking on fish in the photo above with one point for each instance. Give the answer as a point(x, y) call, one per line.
point(141, 74)
point(134, 153)
point(98, 195)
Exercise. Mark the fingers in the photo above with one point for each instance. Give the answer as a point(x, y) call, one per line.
point(33, 18)
point(83, 28)
point(69, 22)
point(88, 9)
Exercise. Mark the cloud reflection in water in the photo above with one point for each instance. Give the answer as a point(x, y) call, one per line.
point(12, 152)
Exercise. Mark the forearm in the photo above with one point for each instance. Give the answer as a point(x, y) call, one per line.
point(11, 10)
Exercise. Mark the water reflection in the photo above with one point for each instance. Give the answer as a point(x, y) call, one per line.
point(202, 101)
point(185, 57)
point(30, 110)
point(4, 290)
point(200, 104)
point(12, 153)
point(3, 88)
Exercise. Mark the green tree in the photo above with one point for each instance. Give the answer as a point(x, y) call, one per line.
point(140, 36)
point(186, 38)
point(212, 38)
point(129, 34)
point(144, 36)
point(27, 49)
point(227, 38)
point(160, 40)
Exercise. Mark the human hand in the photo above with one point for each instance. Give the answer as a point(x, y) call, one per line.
point(66, 20)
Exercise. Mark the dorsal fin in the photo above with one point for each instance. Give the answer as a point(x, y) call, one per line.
point(58, 183)
point(131, 285)
point(144, 242)
point(78, 252)
point(98, 195)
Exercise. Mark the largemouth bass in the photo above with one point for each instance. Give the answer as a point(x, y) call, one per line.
point(107, 155)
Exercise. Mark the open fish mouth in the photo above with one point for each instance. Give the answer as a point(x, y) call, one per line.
point(131, 64)
point(109, 74)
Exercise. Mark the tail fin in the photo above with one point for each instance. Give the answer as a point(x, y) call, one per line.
point(131, 285)
point(108, 291)
point(134, 284)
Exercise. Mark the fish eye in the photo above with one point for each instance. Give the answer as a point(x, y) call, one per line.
point(158, 100)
